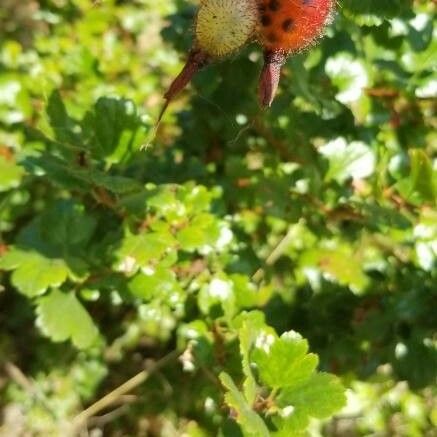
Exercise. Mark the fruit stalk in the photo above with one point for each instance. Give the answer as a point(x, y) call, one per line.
point(197, 59)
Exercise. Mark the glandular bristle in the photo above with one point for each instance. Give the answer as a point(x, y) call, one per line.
point(224, 26)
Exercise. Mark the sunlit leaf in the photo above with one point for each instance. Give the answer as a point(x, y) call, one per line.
point(61, 317)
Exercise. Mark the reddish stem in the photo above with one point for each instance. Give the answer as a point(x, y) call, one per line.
point(197, 59)
point(270, 75)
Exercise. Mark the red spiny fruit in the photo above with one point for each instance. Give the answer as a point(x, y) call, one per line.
point(287, 26)
point(224, 26)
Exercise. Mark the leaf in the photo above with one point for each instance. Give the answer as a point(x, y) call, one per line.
point(61, 172)
point(246, 294)
point(61, 317)
point(423, 178)
point(58, 171)
point(416, 360)
point(138, 250)
point(63, 126)
point(114, 129)
point(15, 105)
point(33, 273)
point(158, 320)
point(354, 160)
point(10, 174)
point(247, 335)
point(380, 8)
point(66, 224)
point(339, 264)
point(251, 423)
point(349, 76)
point(116, 184)
point(157, 283)
point(202, 232)
point(283, 362)
point(319, 396)
point(219, 292)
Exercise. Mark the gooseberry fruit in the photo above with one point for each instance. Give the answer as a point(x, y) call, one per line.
point(224, 26)
point(287, 26)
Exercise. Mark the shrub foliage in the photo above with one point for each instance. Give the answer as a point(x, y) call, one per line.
point(272, 258)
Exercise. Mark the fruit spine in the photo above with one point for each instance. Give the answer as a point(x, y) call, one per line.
point(224, 26)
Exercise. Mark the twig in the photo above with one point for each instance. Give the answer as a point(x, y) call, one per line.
point(19, 377)
point(16, 375)
point(100, 421)
point(121, 390)
point(274, 255)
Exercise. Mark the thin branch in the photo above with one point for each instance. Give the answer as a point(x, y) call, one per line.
point(17, 375)
point(100, 421)
point(113, 396)
point(276, 253)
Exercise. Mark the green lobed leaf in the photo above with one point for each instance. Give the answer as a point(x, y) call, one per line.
point(203, 231)
point(33, 273)
point(66, 224)
point(61, 317)
point(338, 264)
point(114, 128)
point(57, 170)
point(320, 396)
point(139, 250)
point(160, 283)
point(251, 422)
point(284, 361)
point(370, 81)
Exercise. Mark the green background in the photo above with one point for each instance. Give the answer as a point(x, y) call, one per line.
point(234, 227)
